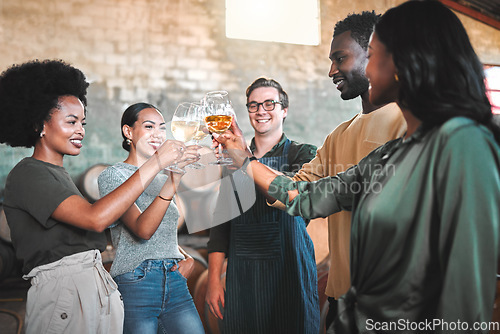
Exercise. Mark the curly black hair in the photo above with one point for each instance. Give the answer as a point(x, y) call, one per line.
point(360, 25)
point(29, 93)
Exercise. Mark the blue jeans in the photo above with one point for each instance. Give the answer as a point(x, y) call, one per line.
point(157, 300)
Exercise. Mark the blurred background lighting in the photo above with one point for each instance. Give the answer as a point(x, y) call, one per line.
point(285, 21)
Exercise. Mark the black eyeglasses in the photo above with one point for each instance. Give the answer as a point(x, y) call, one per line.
point(268, 105)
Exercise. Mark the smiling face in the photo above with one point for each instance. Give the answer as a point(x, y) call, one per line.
point(348, 66)
point(146, 135)
point(267, 122)
point(63, 133)
point(381, 73)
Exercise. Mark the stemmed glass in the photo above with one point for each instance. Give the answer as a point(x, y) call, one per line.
point(220, 114)
point(184, 127)
point(198, 114)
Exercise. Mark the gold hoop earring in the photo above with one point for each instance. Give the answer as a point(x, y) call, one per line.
point(396, 77)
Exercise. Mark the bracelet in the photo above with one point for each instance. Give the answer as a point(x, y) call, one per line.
point(165, 199)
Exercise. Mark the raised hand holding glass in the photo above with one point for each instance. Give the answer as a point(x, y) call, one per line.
point(219, 117)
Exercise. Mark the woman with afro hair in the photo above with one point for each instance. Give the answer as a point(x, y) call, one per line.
point(56, 232)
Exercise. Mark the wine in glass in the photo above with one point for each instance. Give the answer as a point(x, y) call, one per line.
point(184, 127)
point(219, 117)
point(198, 114)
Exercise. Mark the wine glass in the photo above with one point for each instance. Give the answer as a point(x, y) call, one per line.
point(219, 116)
point(184, 127)
point(198, 114)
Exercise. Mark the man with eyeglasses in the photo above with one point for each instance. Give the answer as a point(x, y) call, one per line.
point(271, 278)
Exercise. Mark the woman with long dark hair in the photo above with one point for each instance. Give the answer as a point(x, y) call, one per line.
point(150, 268)
point(426, 213)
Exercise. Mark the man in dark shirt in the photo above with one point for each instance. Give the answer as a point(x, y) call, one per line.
point(271, 281)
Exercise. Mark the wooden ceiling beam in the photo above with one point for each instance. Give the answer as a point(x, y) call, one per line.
point(472, 13)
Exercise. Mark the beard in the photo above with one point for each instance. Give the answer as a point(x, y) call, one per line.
point(357, 85)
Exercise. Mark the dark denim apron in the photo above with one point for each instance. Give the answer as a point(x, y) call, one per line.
point(271, 283)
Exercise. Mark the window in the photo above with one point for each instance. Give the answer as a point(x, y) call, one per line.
point(492, 74)
point(286, 21)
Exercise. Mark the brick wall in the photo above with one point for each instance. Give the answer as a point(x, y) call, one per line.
point(168, 51)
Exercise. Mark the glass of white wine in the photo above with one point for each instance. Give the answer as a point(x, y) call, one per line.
point(184, 127)
point(198, 113)
point(219, 117)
